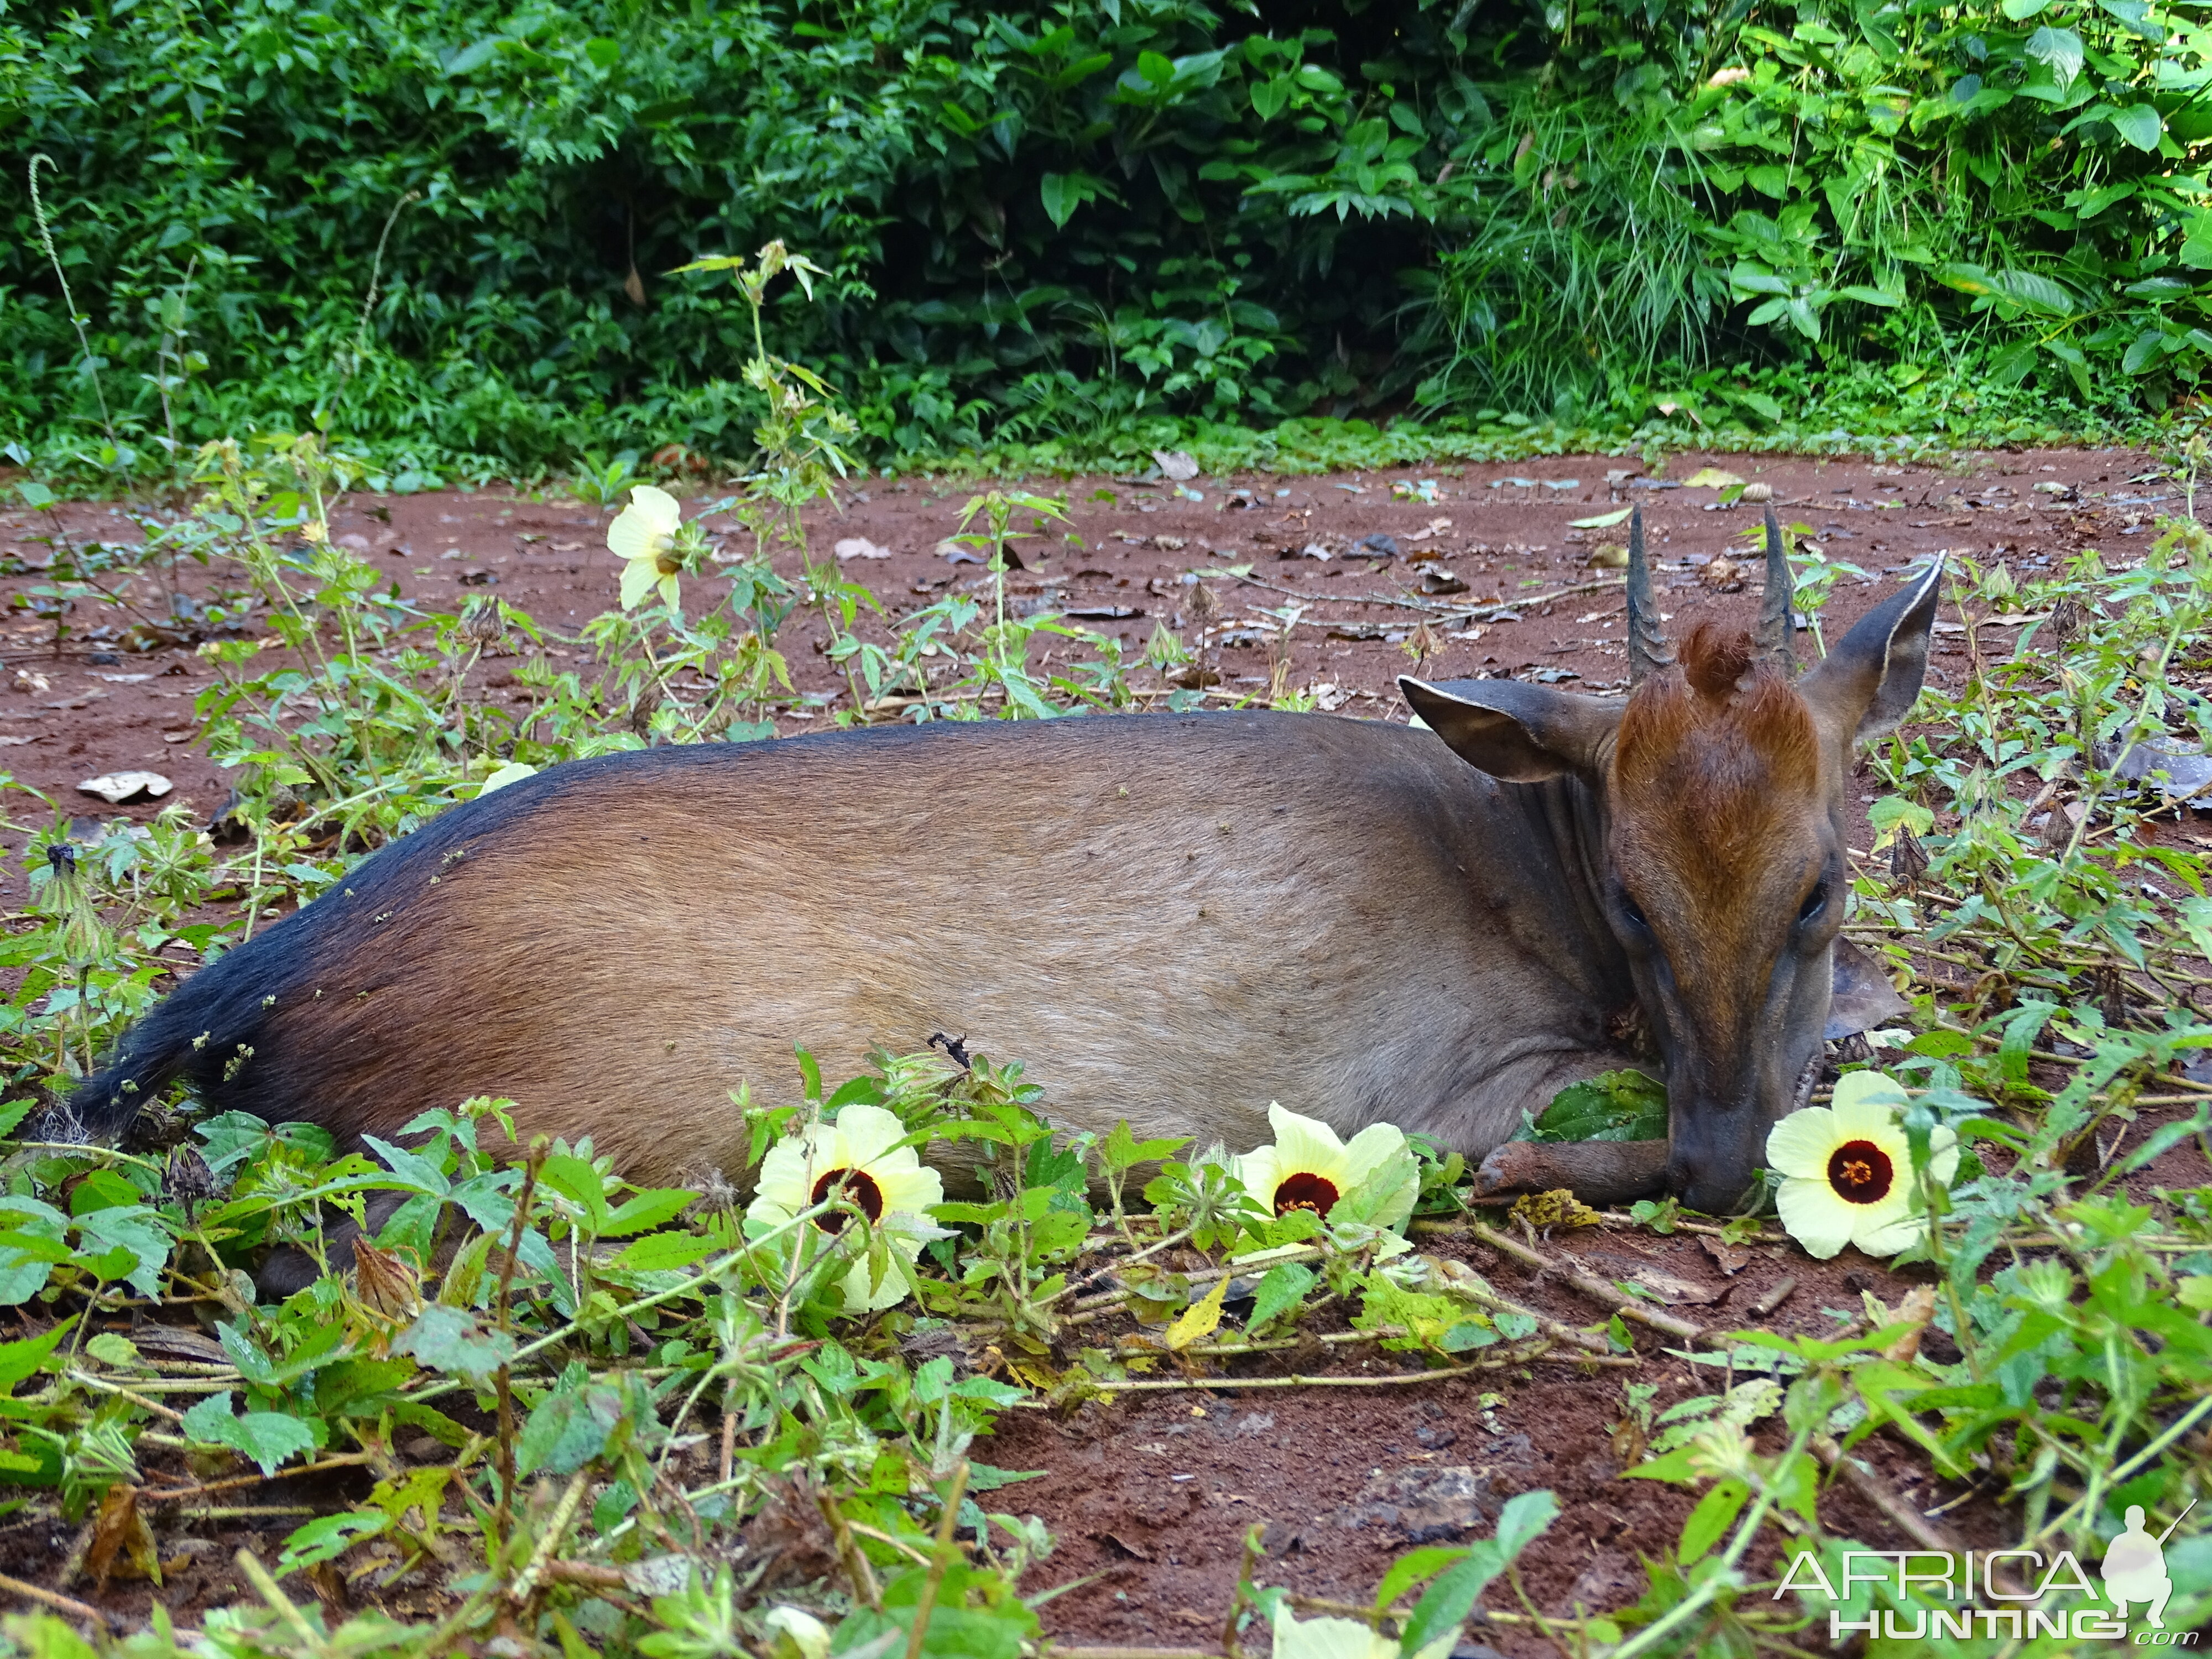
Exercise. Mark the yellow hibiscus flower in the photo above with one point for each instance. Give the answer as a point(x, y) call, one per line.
point(1344, 1639)
point(1310, 1168)
point(643, 537)
point(858, 1154)
point(1847, 1170)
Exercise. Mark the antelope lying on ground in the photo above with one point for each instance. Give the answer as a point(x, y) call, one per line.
point(1173, 918)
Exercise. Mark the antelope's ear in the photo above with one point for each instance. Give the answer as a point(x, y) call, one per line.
point(1517, 734)
point(1861, 690)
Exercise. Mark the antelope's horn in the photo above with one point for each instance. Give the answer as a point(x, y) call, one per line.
point(1774, 612)
point(1648, 650)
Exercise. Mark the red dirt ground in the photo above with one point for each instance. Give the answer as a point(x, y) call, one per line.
point(1150, 1498)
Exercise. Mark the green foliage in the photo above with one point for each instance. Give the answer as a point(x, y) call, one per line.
point(1613, 1106)
point(1070, 233)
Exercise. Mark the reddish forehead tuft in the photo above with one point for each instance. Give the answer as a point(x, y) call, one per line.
point(1716, 757)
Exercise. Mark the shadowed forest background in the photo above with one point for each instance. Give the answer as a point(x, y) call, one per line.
point(1081, 230)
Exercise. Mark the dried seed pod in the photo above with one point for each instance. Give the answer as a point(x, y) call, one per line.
point(1908, 860)
point(385, 1282)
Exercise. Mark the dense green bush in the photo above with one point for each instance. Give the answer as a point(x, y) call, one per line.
point(444, 231)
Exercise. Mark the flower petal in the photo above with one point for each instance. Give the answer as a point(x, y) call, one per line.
point(1373, 1145)
point(1943, 1155)
point(660, 508)
point(637, 579)
point(1801, 1143)
point(784, 1178)
point(1305, 1145)
point(915, 1190)
point(869, 1133)
point(671, 590)
point(861, 1297)
point(1327, 1639)
point(1814, 1216)
point(1260, 1172)
point(1885, 1230)
point(1863, 1090)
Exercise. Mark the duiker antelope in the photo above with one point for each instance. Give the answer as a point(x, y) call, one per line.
point(1173, 918)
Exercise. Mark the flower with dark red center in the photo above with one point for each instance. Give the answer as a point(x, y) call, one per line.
point(1310, 1168)
point(1861, 1172)
point(862, 1159)
point(1847, 1170)
point(856, 1185)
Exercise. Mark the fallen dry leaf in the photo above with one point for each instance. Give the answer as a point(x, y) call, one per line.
point(1731, 1259)
point(1176, 465)
point(1918, 1308)
point(117, 788)
point(859, 547)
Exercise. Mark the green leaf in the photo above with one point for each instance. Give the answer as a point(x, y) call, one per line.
point(267, 1437)
point(1445, 1607)
point(1624, 1105)
point(19, 1360)
point(1408, 1569)
point(2060, 51)
point(138, 1232)
point(2142, 351)
point(1601, 521)
point(569, 1428)
point(2020, 11)
point(1060, 198)
point(447, 1338)
point(1716, 1512)
point(2139, 124)
point(646, 1209)
point(327, 1537)
point(1283, 1287)
point(1121, 1150)
point(664, 1253)
point(577, 1182)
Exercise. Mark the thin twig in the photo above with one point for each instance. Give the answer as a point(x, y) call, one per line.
point(54, 1599)
point(941, 1560)
point(1597, 1289)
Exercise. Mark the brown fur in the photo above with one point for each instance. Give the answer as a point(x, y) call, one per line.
point(1718, 804)
point(1715, 754)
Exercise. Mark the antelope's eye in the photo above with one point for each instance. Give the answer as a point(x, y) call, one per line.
point(1629, 908)
point(1816, 901)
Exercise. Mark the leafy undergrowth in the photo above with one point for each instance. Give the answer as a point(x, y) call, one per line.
point(560, 1415)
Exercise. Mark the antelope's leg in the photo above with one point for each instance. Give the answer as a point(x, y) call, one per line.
point(1598, 1171)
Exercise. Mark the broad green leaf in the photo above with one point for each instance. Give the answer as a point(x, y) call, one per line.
point(1709, 1522)
point(664, 1253)
point(448, 1339)
point(1409, 1569)
point(1624, 1105)
point(1447, 1602)
point(1602, 521)
point(646, 1209)
point(327, 1537)
point(2139, 124)
point(267, 1437)
point(19, 1360)
point(2060, 51)
point(1282, 1288)
point(569, 1428)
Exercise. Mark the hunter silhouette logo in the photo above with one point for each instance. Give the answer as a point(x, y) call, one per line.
point(2135, 1569)
point(2134, 1573)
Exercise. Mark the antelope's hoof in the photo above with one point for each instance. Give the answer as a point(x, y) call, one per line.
point(1517, 1166)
